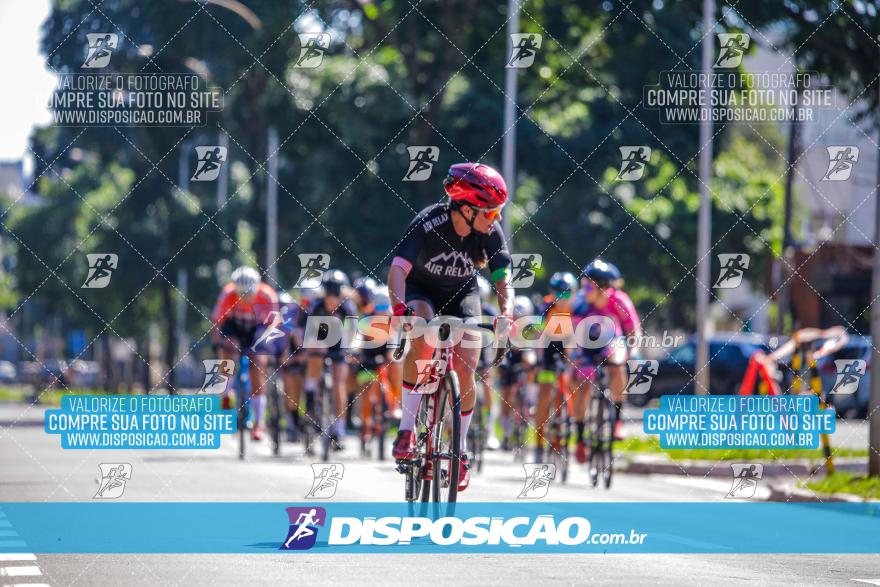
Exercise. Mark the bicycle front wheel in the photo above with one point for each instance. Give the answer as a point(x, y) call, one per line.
point(446, 440)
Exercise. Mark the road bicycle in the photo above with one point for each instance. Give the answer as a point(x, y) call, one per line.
point(275, 409)
point(559, 428)
point(521, 408)
point(432, 473)
point(601, 421)
point(243, 396)
point(319, 414)
point(476, 437)
point(374, 411)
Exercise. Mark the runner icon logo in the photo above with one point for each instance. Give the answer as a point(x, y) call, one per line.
point(641, 374)
point(733, 267)
point(537, 482)
point(421, 162)
point(841, 161)
point(634, 158)
point(431, 371)
point(273, 338)
point(99, 50)
point(208, 161)
point(303, 531)
point(311, 52)
point(218, 373)
point(112, 481)
point(524, 267)
point(745, 480)
point(733, 48)
point(849, 375)
point(312, 268)
point(101, 268)
point(523, 48)
point(326, 479)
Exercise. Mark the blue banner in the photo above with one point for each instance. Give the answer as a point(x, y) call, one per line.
point(140, 422)
point(369, 528)
point(739, 422)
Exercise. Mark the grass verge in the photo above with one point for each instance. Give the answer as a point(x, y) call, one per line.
point(844, 482)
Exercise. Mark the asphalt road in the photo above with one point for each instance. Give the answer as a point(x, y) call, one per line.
point(33, 467)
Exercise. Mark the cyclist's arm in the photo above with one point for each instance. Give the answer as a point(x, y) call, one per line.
point(504, 292)
point(629, 319)
point(407, 253)
point(400, 268)
point(499, 266)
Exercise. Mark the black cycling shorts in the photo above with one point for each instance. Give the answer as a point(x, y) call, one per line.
point(235, 333)
point(461, 303)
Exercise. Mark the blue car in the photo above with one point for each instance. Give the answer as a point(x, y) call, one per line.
point(854, 404)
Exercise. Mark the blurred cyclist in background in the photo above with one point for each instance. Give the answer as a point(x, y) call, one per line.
point(554, 359)
point(515, 402)
point(243, 306)
point(293, 364)
point(332, 301)
point(485, 375)
point(601, 282)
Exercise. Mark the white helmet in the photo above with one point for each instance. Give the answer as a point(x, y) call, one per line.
point(246, 280)
point(522, 306)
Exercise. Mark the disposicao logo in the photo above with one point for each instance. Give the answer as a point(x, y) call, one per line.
point(471, 531)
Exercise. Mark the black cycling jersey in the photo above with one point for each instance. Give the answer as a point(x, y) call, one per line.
point(319, 308)
point(442, 260)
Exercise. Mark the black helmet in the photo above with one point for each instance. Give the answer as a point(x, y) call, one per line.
point(562, 283)
point(602, 273)
point(333, 281)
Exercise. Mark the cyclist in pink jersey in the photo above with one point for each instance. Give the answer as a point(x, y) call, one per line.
point(602, 296)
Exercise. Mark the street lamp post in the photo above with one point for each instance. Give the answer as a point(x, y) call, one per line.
point(704, 228)
point(508, 155)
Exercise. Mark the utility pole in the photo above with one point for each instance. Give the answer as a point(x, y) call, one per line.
point(272, 209)
point(783, 303)
point(508, 156)
point(874, 403)
point(704, 228)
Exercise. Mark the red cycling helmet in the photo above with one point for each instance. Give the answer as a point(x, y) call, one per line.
point(475, 184)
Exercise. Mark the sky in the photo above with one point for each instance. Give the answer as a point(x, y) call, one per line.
point(29, 83)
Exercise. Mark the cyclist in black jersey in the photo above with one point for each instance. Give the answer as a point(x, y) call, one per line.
point(435, 272)
point(333, 304)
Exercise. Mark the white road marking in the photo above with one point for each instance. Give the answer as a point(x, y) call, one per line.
point(868, 581)
point(31, 571)
point(17, 556)
point(28, 585)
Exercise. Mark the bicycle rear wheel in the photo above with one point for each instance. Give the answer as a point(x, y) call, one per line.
point(446, 439)
point(243, 390)
point(325, 422)
point(274, 415)
point(607, 443)
point(380, 417)
point(598, 417)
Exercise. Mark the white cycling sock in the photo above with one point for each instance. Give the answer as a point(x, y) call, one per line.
point(410, 403)
point(259, 403)
point(311, 384)
point(465, 424)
